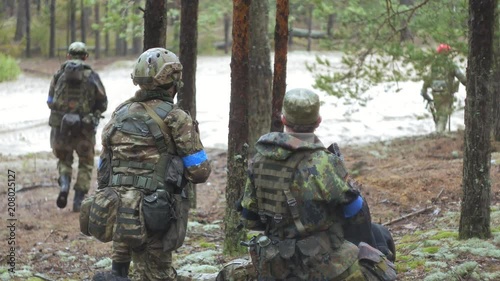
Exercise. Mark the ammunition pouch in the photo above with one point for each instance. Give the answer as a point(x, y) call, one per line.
point(85, 214)
point(55, 118)
point(130, 225)
point(373, 260)
point(71, 124)
point(103, 214)
point(176, 232)
point(157, 208)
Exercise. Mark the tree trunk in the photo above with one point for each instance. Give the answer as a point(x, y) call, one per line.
point(21, 20)
point(309, 27)
point(72, 20)
point(260, 74)
point(188, 48)
point(137, 39)
point(83, 23)
point(28, 30)
point(280, 58)
point(97, 52)
point(405, 33)
point(226, 33)
point(238, 126)
point(9, 8)
point(330, 24)
point(106, 33)
point(475, 210)
point(155, 24)
point(52, 39)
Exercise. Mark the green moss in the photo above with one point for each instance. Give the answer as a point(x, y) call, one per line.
point(444, 235)
point(430, 250)
point(415, 263)
point(208, 245)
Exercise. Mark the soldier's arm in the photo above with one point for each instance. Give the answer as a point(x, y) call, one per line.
point(52, 88)
point(425, 87)
point(188, 145)
point(460, 76)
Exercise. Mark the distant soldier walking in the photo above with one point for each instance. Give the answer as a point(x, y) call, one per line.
point(443, 86)
point(77, 99)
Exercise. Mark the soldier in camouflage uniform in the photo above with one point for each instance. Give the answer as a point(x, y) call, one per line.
point(443, 86)
point(297, 197)
point(81, 102)
point(133, 149)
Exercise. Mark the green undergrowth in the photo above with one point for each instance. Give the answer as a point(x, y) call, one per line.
point(437, 253)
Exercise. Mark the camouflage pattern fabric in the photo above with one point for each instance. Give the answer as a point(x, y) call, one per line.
point(443, 85)
point(126, 146)
point(320, 193)
point(84, 142)
point(63, 148)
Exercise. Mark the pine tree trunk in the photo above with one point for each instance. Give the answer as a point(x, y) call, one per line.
point(260, 73)
point(155, 24)
point(21, 20)
point(238, 125)
point(97, 53)
point(475, 211)
point(280, 59)
point(52, 39)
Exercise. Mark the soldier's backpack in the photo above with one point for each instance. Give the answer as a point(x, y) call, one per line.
point(72, 92)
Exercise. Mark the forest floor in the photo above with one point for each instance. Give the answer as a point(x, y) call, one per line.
point(412, 184)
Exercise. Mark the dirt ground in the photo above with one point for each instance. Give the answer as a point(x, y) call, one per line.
point(398, 177)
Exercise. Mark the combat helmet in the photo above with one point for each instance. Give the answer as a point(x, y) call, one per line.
point(156, 67)
point(301, 107)
point(77, 49)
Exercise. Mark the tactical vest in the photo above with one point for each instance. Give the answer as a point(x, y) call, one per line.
point(273, 180)
point(73, 93)
point(144, 123)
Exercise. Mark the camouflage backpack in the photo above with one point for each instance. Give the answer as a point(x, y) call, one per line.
point(72, 90)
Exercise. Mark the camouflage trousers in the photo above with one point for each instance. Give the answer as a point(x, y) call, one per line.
point(442, 109)
point(151, 263)
point(63, 148)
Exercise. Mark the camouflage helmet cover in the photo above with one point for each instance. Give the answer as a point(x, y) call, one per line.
point(77, 48)
point(301, 107)
point(155, 67)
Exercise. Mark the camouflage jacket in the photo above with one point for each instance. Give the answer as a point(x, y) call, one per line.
point(442, 75)
point(141, 149)
point(318, 188)
point(96, 93)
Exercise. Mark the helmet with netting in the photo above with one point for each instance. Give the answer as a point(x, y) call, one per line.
point(301, 107)
point(77, 49)
point(156, 67)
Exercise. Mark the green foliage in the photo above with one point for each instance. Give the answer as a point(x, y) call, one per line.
point(369, 34)
point(9, 70)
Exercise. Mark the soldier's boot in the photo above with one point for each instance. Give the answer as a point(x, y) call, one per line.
point(77, 200)
point(120, 268)
point(64, 183)
point(108, 276)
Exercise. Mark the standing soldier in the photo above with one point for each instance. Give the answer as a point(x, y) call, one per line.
point(297, 196)
point(152, 152)
point(443, 86)
point(76, 99)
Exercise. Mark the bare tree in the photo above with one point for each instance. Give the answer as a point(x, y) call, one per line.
point(260, 74)
point(238, 124)
point(72, 21)
point(475, 210)
point(155, 24)
point(280, 59)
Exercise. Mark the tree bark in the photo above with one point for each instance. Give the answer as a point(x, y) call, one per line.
point(72, 20)
point(137, 39)
point(20, 21)
point(106, 33)
point(280, 59)
point(475, 210)
point(238, 125)
point(52, 39)
point(260, 74)
point(188, 49)
point(405, 33)
point(155, 24)
point(97, 52)
point(28, 30)
point(83, 21)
